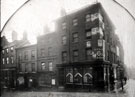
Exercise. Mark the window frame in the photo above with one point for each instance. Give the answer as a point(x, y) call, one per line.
point(75, 55)
point(75, 22)
point(50, 66)
point(42, 52)
point(33, 52)
point(11, 49)
point(75, 37)
point(64, 25)
point(25, 55)
point(64, 40)
point(12, 60)
point(7, 50)
point(7, 60)
point(88, 32)
point(87, 17)
point(64, 56)
point(43, 66)
point(33, 67)
point(88, 53)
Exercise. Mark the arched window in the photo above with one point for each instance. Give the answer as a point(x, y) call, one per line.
point(87, 78)
point(69, 78)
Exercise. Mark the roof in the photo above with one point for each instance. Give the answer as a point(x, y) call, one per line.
point(17, 43)
point(98, 5)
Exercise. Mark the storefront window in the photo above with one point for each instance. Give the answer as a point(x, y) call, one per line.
point(69, 75)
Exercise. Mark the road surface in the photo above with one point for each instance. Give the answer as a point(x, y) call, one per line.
point(129, 88)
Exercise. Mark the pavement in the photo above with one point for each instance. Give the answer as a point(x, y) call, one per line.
point(61, 94)
point(129, 91)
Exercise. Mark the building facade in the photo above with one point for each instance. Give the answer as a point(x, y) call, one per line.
point(89, 50)
point(47, 58)
point(27, 66)
point(83, 54)
point(9, 63)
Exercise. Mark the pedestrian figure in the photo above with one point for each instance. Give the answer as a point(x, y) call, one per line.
point(125, 79)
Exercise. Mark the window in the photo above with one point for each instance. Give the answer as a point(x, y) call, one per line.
point(20, 57)
point(33, 54)
point(94, 30)
point(64, 25)
point(50, 66)
point(88, 43)
point(50, 51)
point(88, 54)
point(64, 40)
point(64, 57)
point(26, 55)
point(87, 78)
point(117, 49)
point(7, 50)
point(77, 75)
point(26, 67)
point(7, 60)
point(3, 52)
point(97, 30)
point(88, 18)
point(75, 55)
point(3, 61)
point(69, 75)
point(100, 17)
point(42, 52)
point(100, 42)
point(94, 16)
point(21, 67)
point(75, 22)
point(88, 34)
point(43, 66)
point(75, 37)
point(33, 69)
point(11, 49)
point(12, 60)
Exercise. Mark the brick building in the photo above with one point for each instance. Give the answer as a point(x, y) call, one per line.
point(90, 51)
point(27, 66)
point(47, 58)
point(83, 53)
point(8, 61)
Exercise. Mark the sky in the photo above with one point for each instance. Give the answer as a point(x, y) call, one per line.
point(33, 17)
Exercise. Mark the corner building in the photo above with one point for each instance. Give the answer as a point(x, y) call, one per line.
point(89, 50)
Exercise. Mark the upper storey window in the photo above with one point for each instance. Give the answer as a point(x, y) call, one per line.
point(42, 52)
point(3, 61)
point(7, 50)
point(11, 49)
point(96, 16)
point(75, 37)
point(33, 54)
point(118, 51)
point(64, 40)
point(88, 18)
point(97, 30)
point(88, 34)
point(64, 25)
point(26, 55)
point(75, 22)
point(3, 52)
